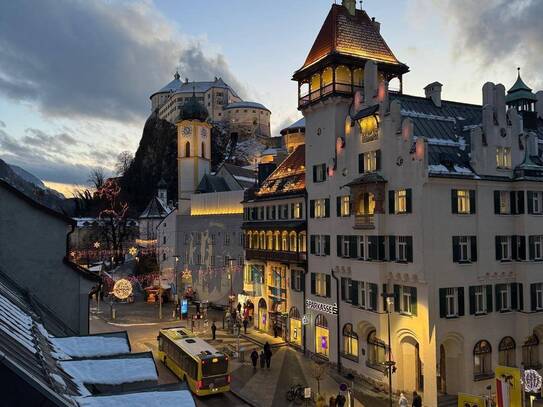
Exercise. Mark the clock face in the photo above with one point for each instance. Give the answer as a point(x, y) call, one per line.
point(186, 130)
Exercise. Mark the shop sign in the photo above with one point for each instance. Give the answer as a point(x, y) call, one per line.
point(321, 307)
point(122, 289)
point(305, 320)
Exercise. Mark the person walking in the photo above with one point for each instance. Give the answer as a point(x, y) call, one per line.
point(254, 358)
point(340, 400)
point(262, 359)
point(245, 323)
point(417, 400)
point(402, 402)
point(239, 308)
point(267, 354)
point(214, 330)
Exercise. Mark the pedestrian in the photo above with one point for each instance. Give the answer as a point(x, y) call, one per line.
point(402, 402)
point(214, 330)
point(245, 323)
point(417, 400)
point(332, 401)
point(254, 358)
point(275, 329)
point(267, 354)
point(239, 307)
point(340, 400)
point(262, 359)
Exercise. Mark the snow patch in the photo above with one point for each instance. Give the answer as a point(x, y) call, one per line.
point(91, 346)
point(181, 398)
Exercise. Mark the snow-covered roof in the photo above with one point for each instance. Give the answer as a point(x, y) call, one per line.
point(297, 125)
point(148, 399)
point(246, 105)
point(92, 346)
point(156, 209)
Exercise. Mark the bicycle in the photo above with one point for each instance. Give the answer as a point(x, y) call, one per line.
point(296, 394)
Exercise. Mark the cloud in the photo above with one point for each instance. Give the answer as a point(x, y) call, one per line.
point(2, 124)
point(95, 59)
point(498, 33)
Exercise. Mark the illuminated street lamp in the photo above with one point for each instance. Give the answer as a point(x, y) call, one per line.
point(389, 363)
point(232, 297)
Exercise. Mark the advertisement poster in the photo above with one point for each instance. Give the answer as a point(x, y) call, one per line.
point(508, 387)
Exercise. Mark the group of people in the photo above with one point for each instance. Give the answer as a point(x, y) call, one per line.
point(264, 356)
point(337, 401)
point(417, 400)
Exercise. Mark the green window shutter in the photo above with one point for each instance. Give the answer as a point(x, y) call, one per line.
point(396, 298)
point(384, 299)
point(292, 211)
point(530, 202)
point(454, 200)
point(327, 208)
point(461, 305)
point(471, 291)
point(497, 289)
point(312, 208)
point(473, 243)
point(520, 202)
point(338, 206)
point(498, 248)
point(361, 163)
point(409, 198)
point(378, 160)
point(533, 299)
point(314, 173)
point(381, 249)
point(353, 247)
point(472, 202)
point(354, 292)
point(456, 248)
point(343, 287)
point(488, 290)
point(392, 248)
point(520, 297)
point(327, 245)
point(372, 248)
point(409, 249)
point(391, 202)
point(531, 247)
point(414, 301)
point(312, 244)
point(513, 202)
point(313, 283)
point(373, 298)
point(514, 297)
point(514, 247)
point(442, 302)
point(339, 240)
point(328, 285)
point(292, 275)
point(521, 255)
point(496, 202)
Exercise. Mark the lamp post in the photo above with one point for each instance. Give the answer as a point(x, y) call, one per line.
point(175, 270)
point(389, 363)
point(231, 278)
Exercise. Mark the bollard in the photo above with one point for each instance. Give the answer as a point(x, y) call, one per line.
point(113, 313)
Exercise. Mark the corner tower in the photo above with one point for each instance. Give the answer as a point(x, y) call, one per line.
point(193, 150)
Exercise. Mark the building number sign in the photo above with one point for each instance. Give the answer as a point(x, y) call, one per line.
point(319, 306)
point(122, 289)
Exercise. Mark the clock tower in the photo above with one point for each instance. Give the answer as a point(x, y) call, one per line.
point(193, 150)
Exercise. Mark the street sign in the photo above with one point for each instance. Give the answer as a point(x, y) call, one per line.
point(343, 387)
point(307, 392)
point(305, 320)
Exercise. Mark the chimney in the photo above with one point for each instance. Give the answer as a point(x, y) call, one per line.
point(376, 24)
point(433, 91)
point(350, 5)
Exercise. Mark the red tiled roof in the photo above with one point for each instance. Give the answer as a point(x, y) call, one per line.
point(289, 177)
point(350, 35)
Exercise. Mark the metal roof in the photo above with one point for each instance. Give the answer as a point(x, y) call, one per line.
point(178, 86)
point(156, 209)
point(246, 105)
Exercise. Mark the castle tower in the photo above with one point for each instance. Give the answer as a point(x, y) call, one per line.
point(193, 150)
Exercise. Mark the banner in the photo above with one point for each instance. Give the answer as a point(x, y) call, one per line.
point(467, 400)
point(508, 387)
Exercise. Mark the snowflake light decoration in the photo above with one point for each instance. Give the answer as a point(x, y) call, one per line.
point(532, 381)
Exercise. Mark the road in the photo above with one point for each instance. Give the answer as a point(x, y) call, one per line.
point(143, 339)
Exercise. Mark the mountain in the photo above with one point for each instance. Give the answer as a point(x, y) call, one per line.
point(35, 190)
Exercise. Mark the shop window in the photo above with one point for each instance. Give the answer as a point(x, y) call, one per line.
point(482, 360)
point(350, 341)
point(376, 351)
point(322, 337)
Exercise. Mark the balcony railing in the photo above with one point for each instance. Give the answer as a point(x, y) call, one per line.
point(364, 221)
point(331, 88)
point(295, 257)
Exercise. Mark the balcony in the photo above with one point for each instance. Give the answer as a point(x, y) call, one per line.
point(364, 222)
point(271, 255)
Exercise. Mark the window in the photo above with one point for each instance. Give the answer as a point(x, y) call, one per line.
point(284, 241)
point(345, 245)
point(451, 302)
point(506, 352)
point(482, 360)
point(227, 240)
point(367, 296)
point(536, 296)
point(269, 239)
point(370, 161)
point(346, 289)
point(297, 212)
point(302, 242)
point(503, 297)
point(535, 203)
point(508, 202)
point(365, 204)
point(503, 248)
point(343, 206)
point(320, 284)
point(505, 203)
point(503, 158)
point(405, 299)
point(293, 240)
point(376, 350)
point(463, 201)
point(361, 247)
point(530, 353)
point(187, 149)
point(297, 280)
point(402, 248)
point(320, 208)
point(480, 299)
point(283, 212)
point(319, 173)
point(350, 341)
point(163, 256)
point(212, 237)
point(260, 213)
point(399, 201)
point(320, 245)
point(163, 239)
point(464, 249)
point(536, 247)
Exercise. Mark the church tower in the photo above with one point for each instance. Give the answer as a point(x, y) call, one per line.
point(193, 150)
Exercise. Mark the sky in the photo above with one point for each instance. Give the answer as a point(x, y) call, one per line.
point(76, 75)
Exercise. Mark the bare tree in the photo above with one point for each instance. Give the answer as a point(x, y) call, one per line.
point(124, 161)
point(97, 178)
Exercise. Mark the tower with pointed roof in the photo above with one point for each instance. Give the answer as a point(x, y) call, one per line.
point(193, 149)
point(521, 98)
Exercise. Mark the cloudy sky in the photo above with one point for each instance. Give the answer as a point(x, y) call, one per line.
point(75, 75)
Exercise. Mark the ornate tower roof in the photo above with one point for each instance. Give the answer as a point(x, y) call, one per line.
point(193, 110)
point(520, 92)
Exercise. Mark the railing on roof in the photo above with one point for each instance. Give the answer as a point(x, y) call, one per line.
point(332, 88)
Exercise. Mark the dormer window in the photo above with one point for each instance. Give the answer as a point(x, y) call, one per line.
point(503, 158)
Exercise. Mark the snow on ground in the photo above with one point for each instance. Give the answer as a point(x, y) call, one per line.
point(111, 371)
point(148, 399)
point(91, 346)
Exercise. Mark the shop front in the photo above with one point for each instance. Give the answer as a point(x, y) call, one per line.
point(322, 336)
point(262, 320)
point(295, 327)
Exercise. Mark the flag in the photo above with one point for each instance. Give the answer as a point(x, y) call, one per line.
point(502, 392)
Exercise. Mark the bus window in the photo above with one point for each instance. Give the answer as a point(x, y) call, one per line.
point(210, 368)
point(160, 343)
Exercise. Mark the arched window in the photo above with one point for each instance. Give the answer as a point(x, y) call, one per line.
point(203, 150)
point(255, 240)
point(350, 341)
point(293, 241)
point(506, 352)
point(315, 83)
point(277, 238)
point(327, 76)
point(343, 75)
point(482, 359)
point(187, 149)
point(530, 353)
point(376, 350)
point(301, 242)
point(284, 241)
point(269, 237)
point(262, 240)
point(322, 337)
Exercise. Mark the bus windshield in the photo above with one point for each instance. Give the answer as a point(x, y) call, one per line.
point(210, 368)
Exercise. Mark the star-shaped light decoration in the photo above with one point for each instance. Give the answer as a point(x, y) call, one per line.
point(96, 245)
point(186, 275)
point(133, 251)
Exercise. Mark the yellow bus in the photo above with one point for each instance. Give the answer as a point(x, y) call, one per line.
point(194, 360)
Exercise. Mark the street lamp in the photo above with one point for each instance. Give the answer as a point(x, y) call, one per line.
point(231, 278)
point(177, 291)
point(389, 363)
